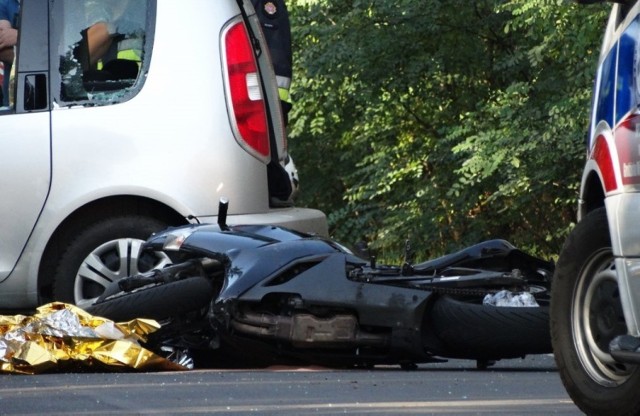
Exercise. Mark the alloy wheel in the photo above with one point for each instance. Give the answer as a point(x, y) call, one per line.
point(110, 262)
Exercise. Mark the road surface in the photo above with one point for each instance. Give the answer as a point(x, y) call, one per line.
point(514, 387)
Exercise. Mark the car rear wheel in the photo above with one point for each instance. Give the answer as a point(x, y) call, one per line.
point(586, 314)
point(103, 252)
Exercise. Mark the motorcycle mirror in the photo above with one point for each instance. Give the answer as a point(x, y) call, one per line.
point(223, 207)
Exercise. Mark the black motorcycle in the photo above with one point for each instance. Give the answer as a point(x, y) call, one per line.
point(253, 295)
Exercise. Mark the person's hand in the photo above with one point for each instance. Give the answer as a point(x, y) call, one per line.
point(8, 36)
point(8, 39)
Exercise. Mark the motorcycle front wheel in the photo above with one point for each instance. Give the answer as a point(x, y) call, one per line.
point(157, 302)
point(586, 314)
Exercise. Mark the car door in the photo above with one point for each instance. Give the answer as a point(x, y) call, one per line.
point(25, 145)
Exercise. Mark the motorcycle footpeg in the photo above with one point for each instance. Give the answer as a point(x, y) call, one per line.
point(178, 356)
point(625, 349)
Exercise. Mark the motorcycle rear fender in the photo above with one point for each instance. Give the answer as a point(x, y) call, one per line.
point(491, 255)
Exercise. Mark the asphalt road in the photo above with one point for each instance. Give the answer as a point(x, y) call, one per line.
point(515, 387)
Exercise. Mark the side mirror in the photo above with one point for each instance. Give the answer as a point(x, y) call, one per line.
point(223, 207)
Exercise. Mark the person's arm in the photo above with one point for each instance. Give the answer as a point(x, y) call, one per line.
point(98, 40)
point(8, 39)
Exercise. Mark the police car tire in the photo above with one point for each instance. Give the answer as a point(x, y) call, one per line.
point(597, 386)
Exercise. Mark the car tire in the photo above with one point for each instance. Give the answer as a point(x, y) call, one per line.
point(156, 301)
point(102, 252)
point(586, 314)
point(474, 331)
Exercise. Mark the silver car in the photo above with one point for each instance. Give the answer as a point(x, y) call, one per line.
point(125, 117)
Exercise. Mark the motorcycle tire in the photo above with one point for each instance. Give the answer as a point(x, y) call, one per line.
point(474, 331)
point(586, 313)
point(156, 301)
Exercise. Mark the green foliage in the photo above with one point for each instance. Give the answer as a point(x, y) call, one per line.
point(445, 122)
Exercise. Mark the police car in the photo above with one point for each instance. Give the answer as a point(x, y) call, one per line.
point(595, 307)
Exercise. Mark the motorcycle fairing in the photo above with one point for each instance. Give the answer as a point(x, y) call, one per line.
point(319, 307)
point(205, 239)
point(263, 265)
point(326, 284)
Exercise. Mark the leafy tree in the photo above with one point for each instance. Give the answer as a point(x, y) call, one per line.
point(445, 122)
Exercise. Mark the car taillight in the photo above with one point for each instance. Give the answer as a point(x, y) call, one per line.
point(602, 155)
point(248, 113)
point(628, 147)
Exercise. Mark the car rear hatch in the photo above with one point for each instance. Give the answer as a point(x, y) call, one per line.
point(252, 96)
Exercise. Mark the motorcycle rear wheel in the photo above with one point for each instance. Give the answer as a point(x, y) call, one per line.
point(156, 301)
point(586, 314)
point(474, 331)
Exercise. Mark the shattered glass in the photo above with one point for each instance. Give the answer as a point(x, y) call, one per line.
point(507, 298)
point(89, 79)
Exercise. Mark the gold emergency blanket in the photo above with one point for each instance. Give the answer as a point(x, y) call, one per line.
point(64, 337)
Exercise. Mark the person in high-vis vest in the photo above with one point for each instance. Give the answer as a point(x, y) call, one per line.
point(274, 17)
point(103, 41)
point(113, 35)
point(9, 10)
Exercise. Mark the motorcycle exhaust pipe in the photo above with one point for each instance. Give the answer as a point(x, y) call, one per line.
point(306, 330)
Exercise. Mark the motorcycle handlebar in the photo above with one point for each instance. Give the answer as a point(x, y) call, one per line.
point(223, 208)
point(168, 274)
